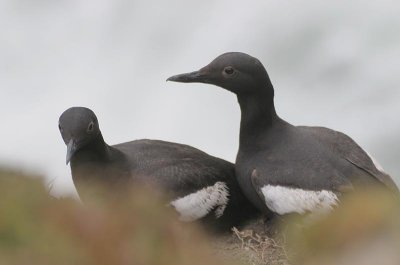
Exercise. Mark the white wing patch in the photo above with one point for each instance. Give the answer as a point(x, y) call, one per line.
point(283, 200)
point(376, 163)
point(197, 205)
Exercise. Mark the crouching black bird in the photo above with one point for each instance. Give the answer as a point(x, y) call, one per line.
point(202, 187)
point(280, 167)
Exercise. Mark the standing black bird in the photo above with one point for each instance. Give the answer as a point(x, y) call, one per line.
point(202, 187)
point(280, 167)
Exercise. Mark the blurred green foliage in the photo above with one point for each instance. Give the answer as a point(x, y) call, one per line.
point(364, 230)
point(136, 227)
point(132, 228)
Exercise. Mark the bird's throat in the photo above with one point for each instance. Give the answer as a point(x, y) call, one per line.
point(257, 117)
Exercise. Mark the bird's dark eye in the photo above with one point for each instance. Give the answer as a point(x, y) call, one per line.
point(90, 127)
point(60, 128)
point(229, 70)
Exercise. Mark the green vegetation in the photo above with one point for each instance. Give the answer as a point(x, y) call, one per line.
point(135, 228)
point(364, 230)
point(132, 229)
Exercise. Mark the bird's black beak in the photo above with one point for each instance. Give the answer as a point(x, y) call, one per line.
point(71, 150)
point(193, 77)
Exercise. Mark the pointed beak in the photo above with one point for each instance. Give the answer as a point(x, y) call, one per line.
point(193, 77)
point(71, 149)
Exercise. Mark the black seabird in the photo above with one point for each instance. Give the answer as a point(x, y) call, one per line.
point(280, 167)
point(202, 187)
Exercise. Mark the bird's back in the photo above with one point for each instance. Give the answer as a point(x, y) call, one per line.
point(180, 170)
point(345, 147)
point(174, 166)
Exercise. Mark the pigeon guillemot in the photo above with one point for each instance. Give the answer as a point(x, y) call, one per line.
point(201, 187)
point(280, 167)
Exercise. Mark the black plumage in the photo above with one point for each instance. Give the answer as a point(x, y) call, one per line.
point(179, 170)
point(281, 167)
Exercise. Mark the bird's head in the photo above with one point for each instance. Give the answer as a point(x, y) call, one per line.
point(78, 127)
point(237, 72)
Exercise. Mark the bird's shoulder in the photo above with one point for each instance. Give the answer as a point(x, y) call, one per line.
point(302, 177)
point(176, 166)
point(294, 159)
point(345, 147)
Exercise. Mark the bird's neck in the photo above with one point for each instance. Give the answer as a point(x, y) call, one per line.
point(95, 151)
point(258, 116)
point(96, 157)
point(98, 164)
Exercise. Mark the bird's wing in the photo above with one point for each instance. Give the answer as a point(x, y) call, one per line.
point(349, 150)
point(200, 203)
point(175, 167)
point(284, 199)
point(198, 184)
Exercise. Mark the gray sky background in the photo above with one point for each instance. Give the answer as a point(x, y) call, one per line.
point(333, 64)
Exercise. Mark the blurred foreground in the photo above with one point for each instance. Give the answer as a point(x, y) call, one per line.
point(365, 230)
point(136, 228)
